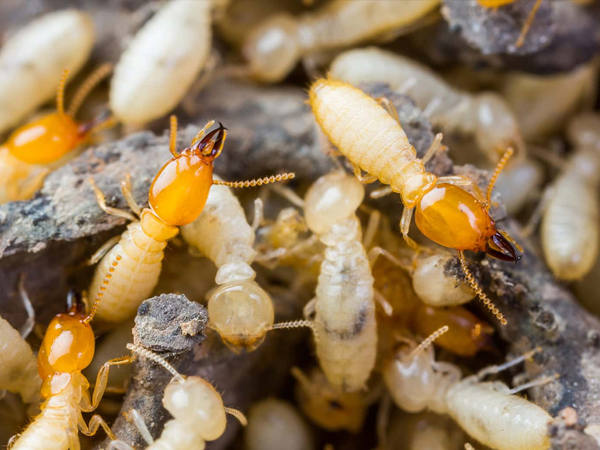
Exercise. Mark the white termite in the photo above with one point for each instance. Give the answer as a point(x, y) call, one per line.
point(275, 46)
point(33, 60)
point(162, 61)
point(486, 116)
point(197, 409)
point(239, 309)
point(487, 411)
point(570, 235)
point(273, 423)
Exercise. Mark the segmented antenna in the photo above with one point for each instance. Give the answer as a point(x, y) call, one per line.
point(102, 289)
point(427, 342)
point(237, 414)
point(90, 83)
point(255, 182)
point(293, 324)
point(499, 167)
point(157, 359)
point(60, 94)
point(173, 137)
point(478, 291)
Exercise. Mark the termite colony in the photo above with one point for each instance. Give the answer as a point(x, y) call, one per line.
point(286, 203)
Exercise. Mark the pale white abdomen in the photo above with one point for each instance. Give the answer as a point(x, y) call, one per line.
point(33, 60)
point(18, 180)
point(346, 331)
point(364, 132)
point(497, 419)
point(178, 436)
point(139, 261)
point(162, 62)
point(56, 425)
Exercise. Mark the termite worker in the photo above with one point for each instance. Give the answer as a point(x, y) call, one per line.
point(35, 149)
point(275, 46)
point(375, 142)
point(177, 197)
point(67, 349)
point(488, 411)
point(570, 235)
point(486, 116)
point(273, 421)
point(197, 409)
point(33, 61)
point(162, 61)
point(239, 309)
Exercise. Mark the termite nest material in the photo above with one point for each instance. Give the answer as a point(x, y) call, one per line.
point(242, 170)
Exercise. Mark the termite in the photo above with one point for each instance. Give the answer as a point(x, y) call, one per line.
point(197, 409)
point(570, 235)
point(239, 309)
point(272, 422)
point(374, 141)
point(485, 116)
point(34, 58)
point(35, 149)
point(487, 411)
point(275, 46)
point(67, 349)
point(423, 431)
point(344, 324)
point(177, 196)
point(326, 406)
point(162, 61)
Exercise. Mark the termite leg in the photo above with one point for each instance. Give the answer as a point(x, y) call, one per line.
point(372, 227)
point(95, 422)
point(99, 254)
point(26, 328)
point(507, 365)
point(364, 179)
point(433, 149)
point(501, 164)
point(309, 309)
point(101, 381)
point(455, 180)
point(389, 107)
point(136, 418)
point(128, 194)
point(376, 252)
point(381, 192)
point(469, 446)
point(528, 23)
point(289, 195)
point(107, 209)
point(533, 383)
point(237, 414)
point(259, 214)
point(383, 303)
point(405, 227)
point(256, 181)
point(119, 445)
point(478, 291)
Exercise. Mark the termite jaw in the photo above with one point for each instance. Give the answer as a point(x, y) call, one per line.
point(497, 246)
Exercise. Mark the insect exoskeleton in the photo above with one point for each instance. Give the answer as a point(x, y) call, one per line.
point(67, 349)
point(570, 235)
point(34, 58)
point(162, 61)
point(326, 406)
point(197, 409)
point(374, 142)
point(275, 46)
point(272, 422)
point(239, 309)
point(177, 196)
point(488, 411)
point(485, 116)
point(35, 149)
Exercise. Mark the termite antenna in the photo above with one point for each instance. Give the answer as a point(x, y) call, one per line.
point(499, 167)
point(528, 24)
point(60, 94)
point(173, 137)
point(478, 291)
point(88, 85)
point(256, 181)
point(427, 342)
point(237, 414)
point(102, 289)
point(300, 377)
point(293, 324)
point(157, 359)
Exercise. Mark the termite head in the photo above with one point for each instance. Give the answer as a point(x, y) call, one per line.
point(180, 189)
point(196, 402)
point(499, 246)
point(67, 348)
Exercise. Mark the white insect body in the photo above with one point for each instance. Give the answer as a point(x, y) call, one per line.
point(19, 366)
point(488, 411)
point(239, 309)
point(486, 116)
point(162, 61)
point(275, 46)
point(33, 60)
point(272, 422)
point(197, 409)
point(570, 235)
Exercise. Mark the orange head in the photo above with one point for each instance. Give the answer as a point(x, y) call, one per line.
point(67, 348)
point(454, 218)
point(180, 189)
